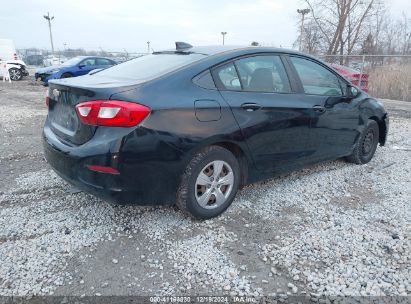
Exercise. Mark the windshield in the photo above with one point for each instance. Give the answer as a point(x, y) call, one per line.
point(150, 66)
point(72, 61)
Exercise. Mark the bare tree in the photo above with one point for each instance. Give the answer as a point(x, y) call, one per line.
point(311, 40)
point(341, 24)
point(394, 36)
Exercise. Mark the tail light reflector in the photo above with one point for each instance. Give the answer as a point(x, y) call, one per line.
point(103, 169)
point(112, 113)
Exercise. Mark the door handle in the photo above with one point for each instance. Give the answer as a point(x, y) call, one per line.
point(250, 107)
point(319, 109)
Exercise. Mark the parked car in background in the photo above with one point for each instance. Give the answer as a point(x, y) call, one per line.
point(353, 76)
point(73, 67)
point(52, 60)
point(191, 125)
point(35, 59)
point(8, 55)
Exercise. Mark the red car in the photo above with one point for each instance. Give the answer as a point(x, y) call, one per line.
point(353, 76)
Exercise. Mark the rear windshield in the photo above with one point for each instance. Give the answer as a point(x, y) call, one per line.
point(150, 66)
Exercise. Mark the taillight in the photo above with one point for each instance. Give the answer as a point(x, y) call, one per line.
point(15, 56)
point(111, 113)
point(46, 97)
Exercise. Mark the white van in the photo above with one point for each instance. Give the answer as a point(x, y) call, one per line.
point(8, 54)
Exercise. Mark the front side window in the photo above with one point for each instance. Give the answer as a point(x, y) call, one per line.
point(263, 74)
point(316, 79)
point(103, 61)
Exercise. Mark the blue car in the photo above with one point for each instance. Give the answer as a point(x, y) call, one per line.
point(74, 67)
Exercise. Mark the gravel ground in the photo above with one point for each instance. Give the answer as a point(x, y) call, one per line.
point(331, 229)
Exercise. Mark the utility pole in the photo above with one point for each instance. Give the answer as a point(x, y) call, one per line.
point(148, 47)
point(223, 33)
point(48, 18)
point(303, 12)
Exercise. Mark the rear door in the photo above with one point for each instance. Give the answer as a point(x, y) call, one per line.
point(333, 129)
point(102, 63)
point(274, 122)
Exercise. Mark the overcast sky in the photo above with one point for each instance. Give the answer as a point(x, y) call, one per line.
point(127, 24)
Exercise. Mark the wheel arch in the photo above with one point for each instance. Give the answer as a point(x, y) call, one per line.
point(235, 148)
point(382, 128)
point(371, 109)
point(239, 155)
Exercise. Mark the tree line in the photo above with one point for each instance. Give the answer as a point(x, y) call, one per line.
point(351, 27)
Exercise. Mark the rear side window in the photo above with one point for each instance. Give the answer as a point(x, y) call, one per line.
point(263, 74)
point(150, 66)
point(89, 61)
point(103, 61)
point(316, 79)
point(227, 77)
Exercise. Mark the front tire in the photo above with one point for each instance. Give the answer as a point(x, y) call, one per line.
point(209, 183)
point(366, 145)
point(15, 74)
point(66, 75)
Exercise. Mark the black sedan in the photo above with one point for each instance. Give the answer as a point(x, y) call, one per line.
point(193, 124)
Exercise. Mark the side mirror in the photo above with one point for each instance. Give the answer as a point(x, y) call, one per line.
point(81, 66)
point(352, 92)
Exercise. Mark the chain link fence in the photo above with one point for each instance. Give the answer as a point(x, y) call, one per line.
point(389, 76)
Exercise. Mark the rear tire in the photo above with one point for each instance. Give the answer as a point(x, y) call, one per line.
point(366, 144)
point(66, 75)
point(15, 74)
point(209, 183)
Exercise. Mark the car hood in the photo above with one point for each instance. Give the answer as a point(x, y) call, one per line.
point(21, 62)
point(49, 69)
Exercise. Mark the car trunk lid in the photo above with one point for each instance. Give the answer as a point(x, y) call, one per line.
point(65, 95)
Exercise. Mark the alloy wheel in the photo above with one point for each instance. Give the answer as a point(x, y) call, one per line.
point(15, 74)
point(368, 142)
point(214, 184)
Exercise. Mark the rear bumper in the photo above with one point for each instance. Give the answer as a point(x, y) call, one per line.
point(150, 182)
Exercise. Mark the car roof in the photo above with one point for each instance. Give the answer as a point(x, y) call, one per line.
point(211, 50)
point(83, 57)
point(217, 49)
point(227, 51)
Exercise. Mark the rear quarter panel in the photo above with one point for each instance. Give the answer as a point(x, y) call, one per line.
point(170, 136)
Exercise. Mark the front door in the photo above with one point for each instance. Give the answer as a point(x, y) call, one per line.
point(85, 66)
point(273, 120)
point(334, 129)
